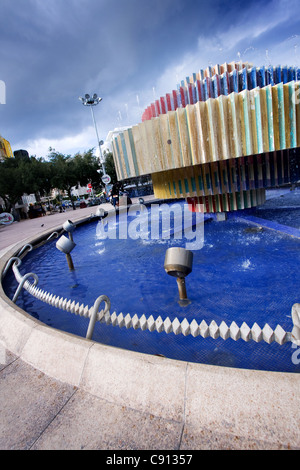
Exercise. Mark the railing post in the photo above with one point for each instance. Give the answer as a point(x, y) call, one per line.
point(29, 246)
point(9, 263)
point(53, 234)
point(295, 336)
point(22, 282)
point(102, 298)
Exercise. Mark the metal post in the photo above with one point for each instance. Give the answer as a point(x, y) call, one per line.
point(70, 262)
point(101, 158)
point(181, 288)
point(9, 263)
point(102, 298)
point(178, 263)
point(66, 245)
point(24, 248)
point(22, 282)
point(93, 101)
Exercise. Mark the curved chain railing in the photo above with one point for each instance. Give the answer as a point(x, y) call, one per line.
point(194, 328)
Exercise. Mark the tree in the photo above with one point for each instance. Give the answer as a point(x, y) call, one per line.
point(19, 176)
point(11, 186)
point(110, 166)
point(68, 171)
point(26, 175)
point(63, 175)
point(87, 168)
point(36, 176)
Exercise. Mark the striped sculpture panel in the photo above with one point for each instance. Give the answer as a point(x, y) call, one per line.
point(223, 80)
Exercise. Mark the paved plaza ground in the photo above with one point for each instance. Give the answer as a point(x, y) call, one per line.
point(17, 231)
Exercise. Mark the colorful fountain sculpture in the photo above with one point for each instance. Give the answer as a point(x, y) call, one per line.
point(220, 139)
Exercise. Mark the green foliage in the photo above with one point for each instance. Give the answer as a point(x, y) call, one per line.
point(20, 176)
point(110, 167)
point(11, 188)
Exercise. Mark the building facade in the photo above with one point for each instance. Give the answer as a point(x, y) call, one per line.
point(5, 148)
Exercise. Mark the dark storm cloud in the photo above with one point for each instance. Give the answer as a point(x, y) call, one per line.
point(52, 51)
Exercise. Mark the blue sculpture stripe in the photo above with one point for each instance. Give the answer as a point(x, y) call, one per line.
point(225, 83)
point(186, 186)
point(193, 182)
point(134, 158)
point(261, 77)
point(125, 154)
point(174, 187)
point(284, 74)
point(180, 187)
point(233, 81)
point(242, 77)
point(278, 75)
point(194, 94)
point(205, 90)
point(270, 76)
point(251, 78)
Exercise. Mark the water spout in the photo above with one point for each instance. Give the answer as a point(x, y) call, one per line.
point(178, 263)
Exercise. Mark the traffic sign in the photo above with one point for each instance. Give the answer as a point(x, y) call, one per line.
point(106, 179)
point(6, 218)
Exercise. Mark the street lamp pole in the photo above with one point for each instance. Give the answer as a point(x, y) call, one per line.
point(101, 157)
point(93, 101)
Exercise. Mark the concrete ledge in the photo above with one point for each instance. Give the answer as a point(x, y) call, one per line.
point(15, 327)
point(213, 403)
point(143, 382)
point(244, 403)
point(57, 354)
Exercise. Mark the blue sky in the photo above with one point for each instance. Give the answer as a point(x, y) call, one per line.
point(128, 52)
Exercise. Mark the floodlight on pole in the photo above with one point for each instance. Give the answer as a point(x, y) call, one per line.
point(93, 101)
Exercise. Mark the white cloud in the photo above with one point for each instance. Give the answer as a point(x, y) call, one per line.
point(256, 21)
point(68, 145)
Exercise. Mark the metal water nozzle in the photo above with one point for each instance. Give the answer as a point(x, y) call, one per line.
point(65, 245)
point(178, 263)
point(69, 227)
point(101, 213)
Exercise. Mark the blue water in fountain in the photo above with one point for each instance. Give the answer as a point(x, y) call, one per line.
point(240, 274)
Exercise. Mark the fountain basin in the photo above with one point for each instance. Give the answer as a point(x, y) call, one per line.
point(257, 291)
